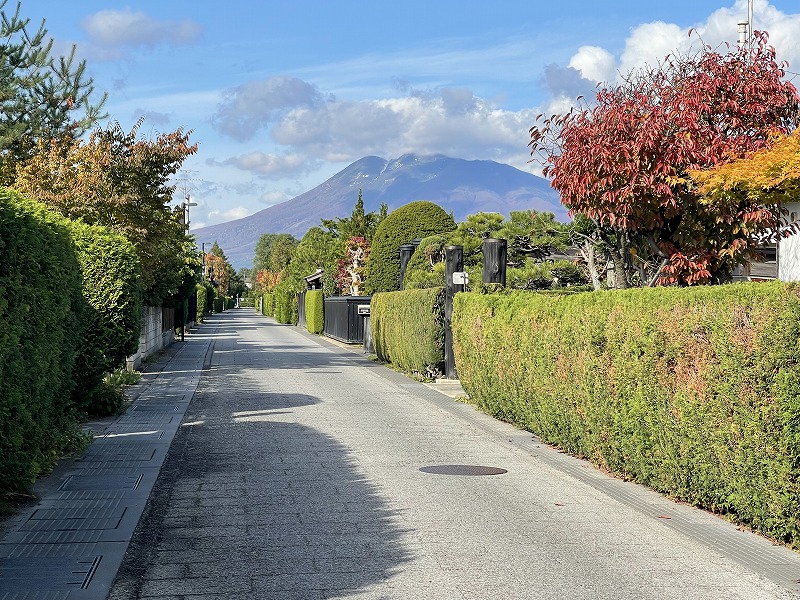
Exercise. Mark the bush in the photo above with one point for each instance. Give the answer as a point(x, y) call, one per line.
point(286, 307)
point(219, 304)
point(408, 330)
point(268, 308)
point(694, 392)
point(111, 284)
point(414, 220)
point(315, 311)
point(202, 299)
point(41, 311)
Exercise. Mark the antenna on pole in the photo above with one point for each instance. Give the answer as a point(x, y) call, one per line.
point(746, 27)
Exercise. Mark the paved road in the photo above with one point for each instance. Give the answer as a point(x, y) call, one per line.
point(295, 473)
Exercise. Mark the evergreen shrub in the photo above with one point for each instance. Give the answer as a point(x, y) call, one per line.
point(41, 311)
point(694, 392)
point(268, 308)
point(408, 330)
point(111, 284)
point(315, 311)
point(202, 298)
point(415, 220)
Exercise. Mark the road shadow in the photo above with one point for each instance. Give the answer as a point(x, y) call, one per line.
point(251, 503)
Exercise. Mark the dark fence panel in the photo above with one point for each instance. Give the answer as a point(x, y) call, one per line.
point(342, 321)
point(168, 318)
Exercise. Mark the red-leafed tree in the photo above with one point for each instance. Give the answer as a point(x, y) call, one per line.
point(624, 162)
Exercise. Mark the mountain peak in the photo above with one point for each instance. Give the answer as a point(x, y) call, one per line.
point(459, 186)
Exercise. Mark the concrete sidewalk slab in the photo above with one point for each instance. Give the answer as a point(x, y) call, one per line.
point(70, 544)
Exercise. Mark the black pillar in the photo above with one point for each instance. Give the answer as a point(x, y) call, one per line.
point(454, 263)
point(406, 250)
point(494, 261)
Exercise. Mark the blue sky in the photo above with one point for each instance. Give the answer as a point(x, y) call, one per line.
point(280, 95)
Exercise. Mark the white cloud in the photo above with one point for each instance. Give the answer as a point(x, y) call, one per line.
point(270, 165)
point(594, 63)
point(255, 104)
point(220, 216)
point(113, 29)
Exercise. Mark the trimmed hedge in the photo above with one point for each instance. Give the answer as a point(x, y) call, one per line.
point(315, 311)
point(41, 310)
point(219, 304)
point(694, 392)
point(268, 307)
point(286, 307)
point(408, 330)
point(415, 220)
point(111, 283)
point(202, 301)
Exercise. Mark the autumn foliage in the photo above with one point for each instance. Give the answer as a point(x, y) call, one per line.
point(624, 163)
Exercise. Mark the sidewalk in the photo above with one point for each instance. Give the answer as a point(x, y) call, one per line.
point(301, 469)
point(71, 543)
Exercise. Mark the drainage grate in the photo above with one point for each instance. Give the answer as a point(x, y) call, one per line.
point(470, 470)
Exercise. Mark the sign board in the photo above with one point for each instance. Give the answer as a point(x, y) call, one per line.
point(460, 278)
point(363, 309)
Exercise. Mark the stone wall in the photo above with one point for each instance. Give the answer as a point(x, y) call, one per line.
point(152, 338)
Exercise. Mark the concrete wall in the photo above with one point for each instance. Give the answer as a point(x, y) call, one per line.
point(152, 339)
point(789, 250)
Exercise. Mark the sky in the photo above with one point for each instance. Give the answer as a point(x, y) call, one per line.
point(281, 95)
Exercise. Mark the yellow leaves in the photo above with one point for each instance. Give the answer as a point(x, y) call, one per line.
point(775, 167)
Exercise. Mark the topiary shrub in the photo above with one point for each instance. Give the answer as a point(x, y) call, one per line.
point(408, 330)
point(202, 299)
point(694, 392)
point(41, 311)
point(111, 284)
point(219, 304)
point(315, 311)
point(414, 220)
point(268, 307)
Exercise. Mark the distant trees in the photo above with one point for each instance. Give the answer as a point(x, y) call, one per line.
point(624, 164)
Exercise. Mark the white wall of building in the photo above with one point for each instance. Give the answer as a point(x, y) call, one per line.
point(789, 250)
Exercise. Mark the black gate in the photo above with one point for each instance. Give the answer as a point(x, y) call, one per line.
point(343, 320)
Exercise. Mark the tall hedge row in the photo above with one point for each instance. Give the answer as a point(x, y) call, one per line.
point(202, 301)
point(111, 284)
point(286, 307)
point(408, 329)
point(694, 392)
point(40, 325)
point(315, 311)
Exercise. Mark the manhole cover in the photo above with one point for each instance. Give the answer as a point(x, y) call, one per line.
point(462, 470)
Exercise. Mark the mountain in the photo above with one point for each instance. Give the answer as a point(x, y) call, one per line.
point(462, 186)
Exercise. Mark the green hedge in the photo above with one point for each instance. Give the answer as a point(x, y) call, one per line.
point(315, 311)
point(414, 220)
point(219, 304)
point(41, 310)
point(408, 329)
point(694, 392)
point(286, 307)
point(111, 284)
point(268, 306)
point(202, 302)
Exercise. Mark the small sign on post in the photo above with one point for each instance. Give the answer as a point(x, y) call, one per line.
point(460, 278)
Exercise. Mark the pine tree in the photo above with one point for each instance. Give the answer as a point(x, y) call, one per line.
point(40, 96)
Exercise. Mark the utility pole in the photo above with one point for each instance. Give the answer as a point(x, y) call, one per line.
point(746, 27)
